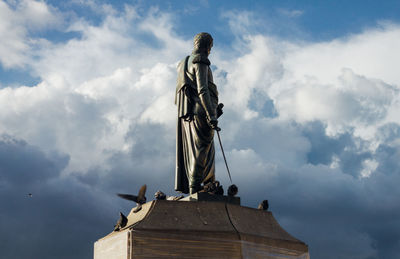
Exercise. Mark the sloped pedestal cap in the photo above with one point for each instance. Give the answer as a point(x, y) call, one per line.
point(200, 229)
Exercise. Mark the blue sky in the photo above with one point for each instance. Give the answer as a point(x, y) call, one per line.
point(311, 122)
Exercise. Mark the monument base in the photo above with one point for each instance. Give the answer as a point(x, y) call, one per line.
point(200, 229)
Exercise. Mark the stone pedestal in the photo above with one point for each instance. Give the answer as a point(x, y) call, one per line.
point(203, 196)
point(197, 228)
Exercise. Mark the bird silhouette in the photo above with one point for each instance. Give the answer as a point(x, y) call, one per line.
point(121, 223)
point(139, 199)
point(159, 195)
point(213, 188)
point(263, 205)
point(219, 190)
point(232, 190)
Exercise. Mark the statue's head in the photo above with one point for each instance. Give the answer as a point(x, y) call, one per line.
point(203, 42)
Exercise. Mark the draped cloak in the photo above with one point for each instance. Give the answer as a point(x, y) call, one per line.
point(195, 153)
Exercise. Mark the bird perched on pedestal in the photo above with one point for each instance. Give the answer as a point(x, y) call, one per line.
point(159, 195)
point(213, 188)
point(232, 190)
point(263, 205)
point(122, 221)
point(139, 199)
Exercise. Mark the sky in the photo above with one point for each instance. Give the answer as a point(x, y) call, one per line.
point(311, 119)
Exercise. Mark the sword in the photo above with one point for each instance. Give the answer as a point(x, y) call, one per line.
point(223, 153)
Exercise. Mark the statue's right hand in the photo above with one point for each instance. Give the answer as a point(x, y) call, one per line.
point(213, 123)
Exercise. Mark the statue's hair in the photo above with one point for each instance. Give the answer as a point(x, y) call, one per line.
point(203, 41)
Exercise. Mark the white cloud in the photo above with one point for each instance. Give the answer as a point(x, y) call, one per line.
point(109, 78)
point(369, 167)
point(96, 88)
point(16, 22)
point(372, 53)
point(349, 84)
point(37, 15)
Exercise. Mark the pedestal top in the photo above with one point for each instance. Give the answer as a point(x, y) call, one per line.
point(203, 196)
point(202, 213)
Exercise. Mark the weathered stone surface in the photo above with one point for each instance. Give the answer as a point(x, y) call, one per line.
point(202, 229)
point(112, 246)
point(203, 196)
point(260, 229)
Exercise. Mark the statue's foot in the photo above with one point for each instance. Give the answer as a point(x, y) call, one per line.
point(193, 190)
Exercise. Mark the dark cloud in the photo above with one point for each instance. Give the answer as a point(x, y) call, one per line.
point(336, 211)
point(324, 147)
point(23, 164)
point(325, 207)
point(343, 146)
point(329, 210)
point(63, 217)
point(264, 104)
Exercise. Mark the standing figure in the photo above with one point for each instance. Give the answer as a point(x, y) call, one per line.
point(198, 110)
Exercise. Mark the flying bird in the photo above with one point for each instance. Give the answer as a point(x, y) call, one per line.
point(263, 205)
point(139, 199)
point(121, 223)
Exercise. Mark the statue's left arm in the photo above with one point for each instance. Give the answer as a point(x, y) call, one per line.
point(201, 70)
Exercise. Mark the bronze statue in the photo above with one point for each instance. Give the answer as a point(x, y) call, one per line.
point(198, 112)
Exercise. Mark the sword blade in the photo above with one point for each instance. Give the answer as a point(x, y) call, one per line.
point(223, 153)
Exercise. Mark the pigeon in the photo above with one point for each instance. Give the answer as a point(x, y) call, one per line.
point(209, 187)
point(213, 188)
point(121, 223)
point(232, 190)
point(263, 205)
point(219, 190)
point(139, 199)
point(159, 195)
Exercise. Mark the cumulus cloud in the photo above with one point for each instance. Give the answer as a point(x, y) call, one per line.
point(19, 19)
point(95, 87)
point(59, 206)
point(313, 127)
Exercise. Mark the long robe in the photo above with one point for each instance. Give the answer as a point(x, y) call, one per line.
point(197, 99)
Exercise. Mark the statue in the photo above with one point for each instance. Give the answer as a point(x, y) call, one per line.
point(198, 112)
